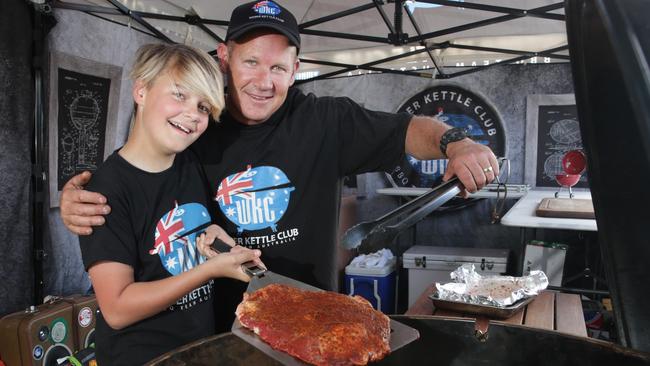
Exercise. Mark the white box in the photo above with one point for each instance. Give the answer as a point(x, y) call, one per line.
point(547, 257)
point(429, 264)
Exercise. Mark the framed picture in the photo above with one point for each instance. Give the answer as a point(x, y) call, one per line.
point(552, 129)
point(83, 99)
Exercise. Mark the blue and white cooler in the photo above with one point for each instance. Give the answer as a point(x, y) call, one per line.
point(373, 277)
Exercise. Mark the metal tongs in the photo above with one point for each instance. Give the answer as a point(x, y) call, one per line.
point(370, 236)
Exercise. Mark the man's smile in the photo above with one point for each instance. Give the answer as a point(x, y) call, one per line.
point(260, 98)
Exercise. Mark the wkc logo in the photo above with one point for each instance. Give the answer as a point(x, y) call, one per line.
point(178, 252)
point(266, 8)
point(456, 107)
point(256, 198)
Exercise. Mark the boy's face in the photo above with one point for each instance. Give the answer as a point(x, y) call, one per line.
point(261, 68)
point(172, 116)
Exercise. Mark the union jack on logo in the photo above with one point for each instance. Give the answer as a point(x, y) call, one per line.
point(235, 185)
point(167, 230)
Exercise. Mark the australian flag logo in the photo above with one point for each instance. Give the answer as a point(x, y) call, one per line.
point(177, 251)
point(255, 198)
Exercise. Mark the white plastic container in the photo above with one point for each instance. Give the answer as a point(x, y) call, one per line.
point(547, 257)
point(429, 264)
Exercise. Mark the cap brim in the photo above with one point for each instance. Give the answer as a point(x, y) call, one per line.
point(249, 27)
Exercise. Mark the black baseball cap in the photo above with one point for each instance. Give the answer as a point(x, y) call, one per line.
point(263, 14)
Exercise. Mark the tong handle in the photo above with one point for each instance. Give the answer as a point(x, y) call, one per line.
point(412, 205)
point(436, 198)
point(251, 269)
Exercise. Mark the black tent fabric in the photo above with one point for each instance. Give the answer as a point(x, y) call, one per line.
point(610, 47)
point(16, 121)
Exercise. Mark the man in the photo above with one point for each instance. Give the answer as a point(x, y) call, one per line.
point(275, 161)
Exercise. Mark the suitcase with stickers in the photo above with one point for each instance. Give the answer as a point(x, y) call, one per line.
point(43, 334)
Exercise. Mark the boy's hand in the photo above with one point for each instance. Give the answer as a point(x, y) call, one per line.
point(82, 209)
point(230, 264)
point(205, 240)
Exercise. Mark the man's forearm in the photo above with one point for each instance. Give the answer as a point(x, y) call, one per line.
point(423, 138)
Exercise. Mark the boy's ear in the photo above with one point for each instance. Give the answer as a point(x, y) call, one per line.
point(139, 92)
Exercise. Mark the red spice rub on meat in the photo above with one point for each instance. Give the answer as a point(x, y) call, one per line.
point(321, 328)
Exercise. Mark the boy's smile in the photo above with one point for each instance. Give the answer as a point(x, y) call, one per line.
point(180, 126)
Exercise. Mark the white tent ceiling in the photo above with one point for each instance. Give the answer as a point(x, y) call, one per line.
point(352, 36)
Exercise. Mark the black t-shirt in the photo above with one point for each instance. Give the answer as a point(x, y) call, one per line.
point(150, 211)
point(277, 184)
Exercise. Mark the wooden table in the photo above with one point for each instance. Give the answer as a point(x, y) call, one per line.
point(550, 310)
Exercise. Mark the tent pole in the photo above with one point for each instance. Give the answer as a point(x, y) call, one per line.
point(38, 174)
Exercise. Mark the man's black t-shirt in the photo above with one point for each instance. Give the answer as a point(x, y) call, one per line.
point(149, 212)
point(277, 184)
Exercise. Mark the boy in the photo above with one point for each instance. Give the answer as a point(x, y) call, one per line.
point(153, 287)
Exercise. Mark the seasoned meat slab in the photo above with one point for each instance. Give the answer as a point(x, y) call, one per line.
point(318, 327)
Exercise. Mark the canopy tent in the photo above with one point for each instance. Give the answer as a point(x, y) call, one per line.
point(431, 38)
point(601, 57)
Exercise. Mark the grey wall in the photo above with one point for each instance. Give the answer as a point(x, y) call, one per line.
point(89, 37)
point(506, 87)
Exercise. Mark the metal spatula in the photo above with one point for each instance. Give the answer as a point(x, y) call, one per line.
point(371, 236)
point(261, 277)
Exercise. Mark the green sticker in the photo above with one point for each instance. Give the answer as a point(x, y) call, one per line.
point(58, 330)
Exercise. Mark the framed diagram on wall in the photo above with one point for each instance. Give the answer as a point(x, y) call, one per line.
point(552, 129)
point(83, 110)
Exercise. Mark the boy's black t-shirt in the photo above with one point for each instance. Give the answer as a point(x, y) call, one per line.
point(277, 184)
point(149, 211)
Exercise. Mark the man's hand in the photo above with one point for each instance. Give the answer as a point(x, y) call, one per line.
point(82, 209)
point(473, 163)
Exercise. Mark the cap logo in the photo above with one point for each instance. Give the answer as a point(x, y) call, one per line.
point(266, 8)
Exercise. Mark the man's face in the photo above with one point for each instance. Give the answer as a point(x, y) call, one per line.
point(261, 67)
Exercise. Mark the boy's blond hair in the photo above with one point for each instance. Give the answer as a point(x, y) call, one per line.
point(196, 71)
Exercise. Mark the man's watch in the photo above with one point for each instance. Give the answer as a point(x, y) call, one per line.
point(451, 135)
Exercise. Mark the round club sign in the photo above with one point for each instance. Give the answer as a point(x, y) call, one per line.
point(456, 107)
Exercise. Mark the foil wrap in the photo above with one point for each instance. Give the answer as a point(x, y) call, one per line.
point(500, 291)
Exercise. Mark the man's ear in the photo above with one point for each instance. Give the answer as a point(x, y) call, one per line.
point(139, 92)
point(222, 55)
point(295, 71)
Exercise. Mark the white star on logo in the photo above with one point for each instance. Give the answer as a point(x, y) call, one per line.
point(230, 211)
point(171, 263)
